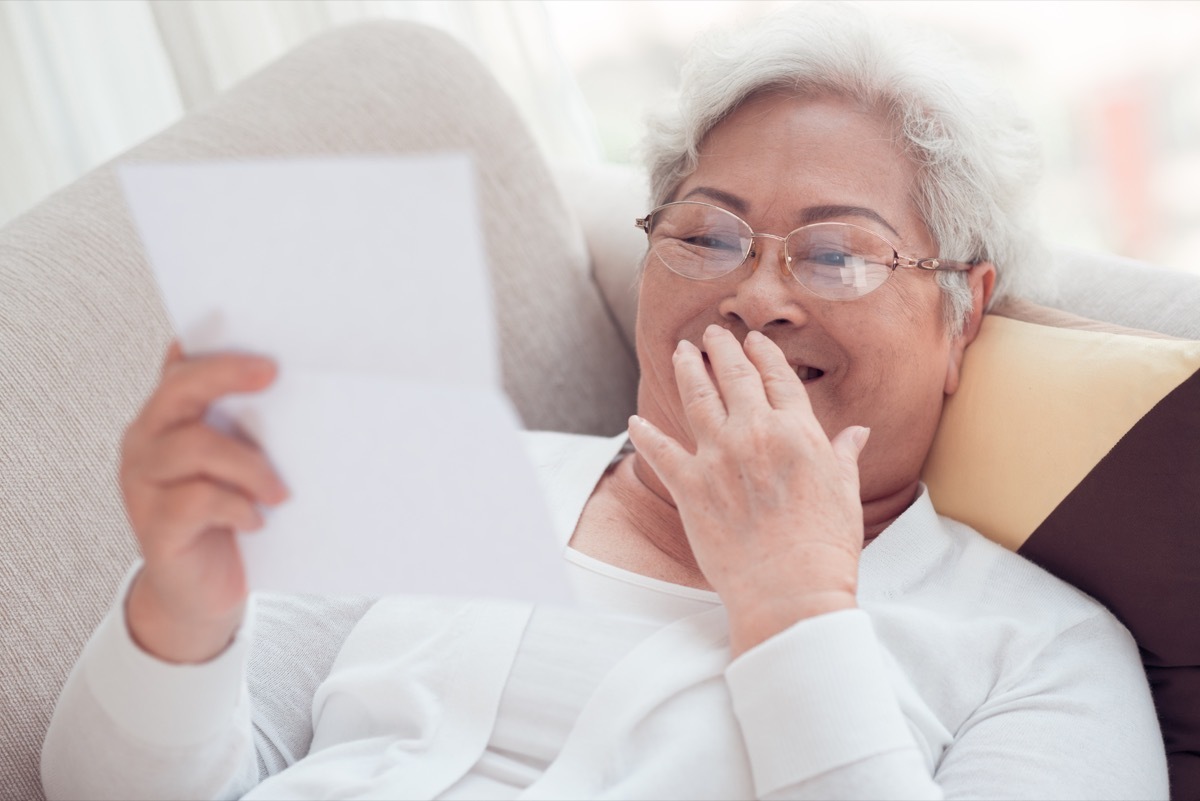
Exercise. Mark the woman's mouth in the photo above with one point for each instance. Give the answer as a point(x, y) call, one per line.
point(805, 372)
point(808, 373)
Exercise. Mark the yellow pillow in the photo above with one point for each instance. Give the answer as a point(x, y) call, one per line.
point(1037, 409)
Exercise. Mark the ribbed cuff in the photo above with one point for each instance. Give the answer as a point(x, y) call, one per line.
point(159, 702)
point(814, 698)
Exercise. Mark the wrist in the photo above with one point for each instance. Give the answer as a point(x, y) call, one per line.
point(167, 633)
point(752, 622)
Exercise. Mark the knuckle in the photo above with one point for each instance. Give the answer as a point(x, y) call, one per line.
point(125, 458)
point(168, 385)
point(127, 454)
point(126, 475)
point(155, 460)
point(751, 432)
point(133, 428)
point(781, 374)
point(199, 442)
point(660, 446)
point(760, 437)
point(189, 505)
point(178, 395)
point(701, 396)
point(134, 435)
point(739, 371)
point(201, 446)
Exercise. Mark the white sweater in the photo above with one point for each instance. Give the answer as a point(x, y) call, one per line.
point(967, 672)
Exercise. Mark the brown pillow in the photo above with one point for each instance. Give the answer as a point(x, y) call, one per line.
point(1077, 445)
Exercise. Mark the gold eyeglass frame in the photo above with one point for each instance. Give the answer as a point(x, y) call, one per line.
point(927, 264)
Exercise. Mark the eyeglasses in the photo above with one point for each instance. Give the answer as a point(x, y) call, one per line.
point(835, 260)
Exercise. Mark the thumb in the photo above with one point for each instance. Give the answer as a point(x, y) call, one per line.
point(848, 446)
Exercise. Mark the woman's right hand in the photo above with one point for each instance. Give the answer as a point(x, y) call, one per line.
point(188, 489)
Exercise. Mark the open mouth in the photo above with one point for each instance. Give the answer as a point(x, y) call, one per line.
point(805, 372)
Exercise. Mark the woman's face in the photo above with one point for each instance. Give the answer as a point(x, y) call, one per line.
point(886, 359)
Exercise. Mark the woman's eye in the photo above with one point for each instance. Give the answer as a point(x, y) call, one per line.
point(711, 242)
point(830, 258)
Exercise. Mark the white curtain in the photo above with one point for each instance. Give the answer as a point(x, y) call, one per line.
point(82, 80)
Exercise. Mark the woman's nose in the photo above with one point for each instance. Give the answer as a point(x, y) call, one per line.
point(767, 294)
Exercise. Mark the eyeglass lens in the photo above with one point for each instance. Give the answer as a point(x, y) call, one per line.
point(834, 260)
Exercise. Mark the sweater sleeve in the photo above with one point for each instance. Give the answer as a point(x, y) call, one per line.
point(128, 725)
point(820, 719)
point(1077, 722)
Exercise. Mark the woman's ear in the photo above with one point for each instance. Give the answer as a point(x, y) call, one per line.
point(982, 280)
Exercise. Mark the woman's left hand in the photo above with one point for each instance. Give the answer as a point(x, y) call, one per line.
point(770, 504)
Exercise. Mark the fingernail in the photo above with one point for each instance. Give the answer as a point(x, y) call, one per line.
point(634, 420)
point(860, 437)
point(755, 337)
point(712, 330)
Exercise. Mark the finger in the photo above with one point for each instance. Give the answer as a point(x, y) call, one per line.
point(666, 457)
point(848, 446)
point(197, 451)
point(701, 400)
point(784, 389)
point(738, 379)
point(186, 511)
point(189, 386)
point(174, 354)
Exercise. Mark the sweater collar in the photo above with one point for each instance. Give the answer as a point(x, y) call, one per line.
point(904, 552)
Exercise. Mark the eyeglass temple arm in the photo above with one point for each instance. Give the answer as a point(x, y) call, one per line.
point(934, 264)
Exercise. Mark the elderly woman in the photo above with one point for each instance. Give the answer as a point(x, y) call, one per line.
point(770, 605)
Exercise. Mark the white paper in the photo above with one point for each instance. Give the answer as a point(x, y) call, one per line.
point(365, 279)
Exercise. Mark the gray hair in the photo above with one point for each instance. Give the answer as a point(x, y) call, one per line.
point(977, 159)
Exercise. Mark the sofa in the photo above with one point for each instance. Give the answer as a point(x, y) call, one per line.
point(83, 331)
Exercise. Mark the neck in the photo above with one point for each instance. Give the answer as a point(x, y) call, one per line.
point(880, 511)
point(656, 517)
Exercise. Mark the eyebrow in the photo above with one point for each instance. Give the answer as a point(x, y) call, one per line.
point(808, 216)
point(820, 213)
point(734, 202)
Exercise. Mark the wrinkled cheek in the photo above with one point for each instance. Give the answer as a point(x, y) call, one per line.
point(657, 391)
